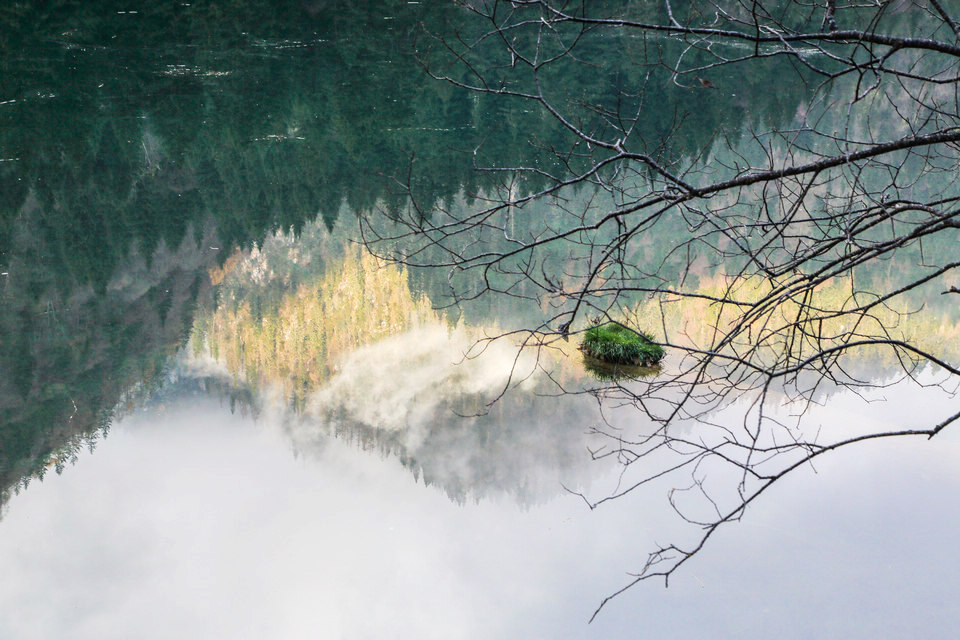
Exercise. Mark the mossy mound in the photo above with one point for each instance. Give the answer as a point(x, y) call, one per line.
point(617, 344)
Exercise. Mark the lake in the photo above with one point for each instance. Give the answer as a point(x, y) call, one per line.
point(222, 416)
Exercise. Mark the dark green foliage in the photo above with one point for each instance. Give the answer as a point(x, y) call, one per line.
point(617, 344)
point(66, 368)
point(121, 132)
point(259, 116)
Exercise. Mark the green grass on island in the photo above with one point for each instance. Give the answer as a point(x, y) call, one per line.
point(616, 344)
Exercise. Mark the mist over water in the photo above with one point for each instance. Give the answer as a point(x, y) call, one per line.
point(190, 519)
point(219, 417)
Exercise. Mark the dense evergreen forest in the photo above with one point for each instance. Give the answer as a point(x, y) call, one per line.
point(142, 142)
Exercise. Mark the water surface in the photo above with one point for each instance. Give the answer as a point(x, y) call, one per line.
point(221, 418)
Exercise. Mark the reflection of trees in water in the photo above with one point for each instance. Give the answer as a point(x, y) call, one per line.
point(930, 322)
point(414, 396)
point(528, 448)
point(293, 318)
point(127, 140)
point(287, 314)
point(803, 215)
point(354, 354)
point(113, 147)
point(73, 359)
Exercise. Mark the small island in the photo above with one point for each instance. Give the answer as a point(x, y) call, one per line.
point(614, 343)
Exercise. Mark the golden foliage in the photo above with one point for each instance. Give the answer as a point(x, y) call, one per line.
point(297, 344)
point(798, 324)
point(217, 274)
